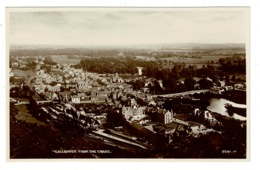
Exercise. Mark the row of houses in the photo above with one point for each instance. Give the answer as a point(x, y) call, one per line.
point(81, 82)
point(158, 120)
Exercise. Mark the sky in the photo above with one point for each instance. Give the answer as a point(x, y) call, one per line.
point(128, 26)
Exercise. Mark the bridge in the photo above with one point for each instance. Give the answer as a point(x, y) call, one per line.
point(182, 93)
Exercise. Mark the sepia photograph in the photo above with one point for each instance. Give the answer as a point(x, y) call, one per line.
point(131, 83)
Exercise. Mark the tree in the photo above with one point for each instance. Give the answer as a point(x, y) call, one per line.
point(15, 92)
point(189, 83)
point(205, 83)
point(137, 85)
point(49, 60)
point(31, 65)
point(54, 83)
point(233, 78)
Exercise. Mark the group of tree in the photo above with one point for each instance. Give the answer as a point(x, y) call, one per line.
point(22, 91)
point(234, 64)
point(150, 68)
point(31, 65)
point(116, 65)
point(171, 78)
point(49, 61)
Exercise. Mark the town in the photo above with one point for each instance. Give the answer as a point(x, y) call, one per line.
point(133, 110)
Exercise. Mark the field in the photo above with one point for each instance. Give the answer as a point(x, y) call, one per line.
point(22, 73)
point(198, 62)
point(23, 114)
point(65, 60)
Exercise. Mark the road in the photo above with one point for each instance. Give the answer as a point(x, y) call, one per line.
point(19, 103)
point(182, 93)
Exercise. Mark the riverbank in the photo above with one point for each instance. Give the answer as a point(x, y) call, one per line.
point(217, 104)
point(233, 95)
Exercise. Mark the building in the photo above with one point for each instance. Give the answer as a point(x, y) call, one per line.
point(96, 95)
point(164, 116)
point(65, 96)
point(75, 99)
point(140, 70)
point(130, 112)
point(15, 64)
point(83, 86)
point(55, 88)
point(207, 116)
point(216, 90)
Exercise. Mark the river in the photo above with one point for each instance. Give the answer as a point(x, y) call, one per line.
point(217, 105)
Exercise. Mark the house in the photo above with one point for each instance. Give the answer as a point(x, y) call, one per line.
point(65, 96)
point(40, 72)
point(71, 85)
point(240, 86)
point(141, 118)
point(59, 79)
point(133, 102)
point(15, 64)
point(41, 62)
point(83, 86)
point(49, 79)
point(148, 83)
point(38, 81)
point(71, 73)
point(199, 129)
point(130, 112)
point(78, 70)
point(216, 90)
point(228, 88)
point(96, 95)
point(66, 75)
point(118, 80)
point(83, 97)
point(143, 132)
point(222, 83)
point(55, 96)
point(160, 102)
point(11, 74)
point(197, 86)
point(55, 88)
point(104, 81)
point(47, 95)
point(164, 116)
point(206, 115)
point(38, 67)
point(127, 112)
point(75, 99)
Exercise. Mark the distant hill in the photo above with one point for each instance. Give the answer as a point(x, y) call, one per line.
point(198, 46)
point(131, 50)
point(160, 46)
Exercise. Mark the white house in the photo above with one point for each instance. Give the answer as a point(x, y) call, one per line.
point(75, 99)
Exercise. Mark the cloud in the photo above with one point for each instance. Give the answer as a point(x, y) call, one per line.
point(127, 27)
